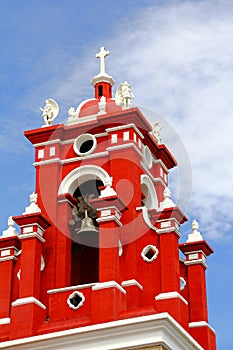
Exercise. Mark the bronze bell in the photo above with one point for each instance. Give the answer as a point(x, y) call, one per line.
point(88, 234)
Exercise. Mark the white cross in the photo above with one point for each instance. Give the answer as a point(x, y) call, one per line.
point(102, 54)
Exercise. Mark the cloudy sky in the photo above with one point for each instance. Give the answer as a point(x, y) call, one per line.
point(178, 58)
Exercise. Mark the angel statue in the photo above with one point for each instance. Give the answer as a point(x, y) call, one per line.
point(156, 131)
point(50, 111)
point(124, 95)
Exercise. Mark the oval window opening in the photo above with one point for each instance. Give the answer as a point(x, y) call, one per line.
point(86, 146)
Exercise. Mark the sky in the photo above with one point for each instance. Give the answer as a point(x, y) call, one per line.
point(178, 58)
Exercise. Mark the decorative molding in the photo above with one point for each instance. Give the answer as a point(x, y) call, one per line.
point(82, 174)
point(109, 284)
point(196, 262)
point(171, 295)
point(127, 126)
point(32, 235)
point(200, 324)
point(67, 289)
point(138, 332)
point(132, 282)
point(109, 218)
point(147, 157)
point(151, 200)
point(28, 300)
point(5, 320)
point(123, 146)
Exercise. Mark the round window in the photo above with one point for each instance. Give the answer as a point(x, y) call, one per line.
point(147, 156)
point(84, 144)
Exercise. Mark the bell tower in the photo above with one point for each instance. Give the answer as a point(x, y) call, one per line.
point(96, 264)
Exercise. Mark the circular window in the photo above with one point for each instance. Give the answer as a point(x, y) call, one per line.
point(84, 144)
point(147, 156)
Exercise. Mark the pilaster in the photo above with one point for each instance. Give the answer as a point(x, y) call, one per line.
point(196, 253)
point(109, 216)
point(9, 248)
point(169, 299)
point(28, 311)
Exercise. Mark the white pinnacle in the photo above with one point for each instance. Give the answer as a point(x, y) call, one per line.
point(33, 207)
point(195, 235)
point(11, 231)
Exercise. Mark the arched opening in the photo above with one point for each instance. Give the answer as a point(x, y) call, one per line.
point(84, 257)
point(100, 90)
point(148, 195)
point(90, 188)
point(84, 180)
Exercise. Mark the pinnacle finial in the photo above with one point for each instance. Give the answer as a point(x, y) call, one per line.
point(101, 55)
point(11, 230)
point(195, 235)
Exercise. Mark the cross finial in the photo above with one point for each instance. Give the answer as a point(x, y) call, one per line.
point(102, 54)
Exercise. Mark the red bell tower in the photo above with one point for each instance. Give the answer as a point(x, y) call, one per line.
point(97, 263)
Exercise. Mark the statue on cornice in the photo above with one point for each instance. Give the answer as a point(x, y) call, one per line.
point(50, 111)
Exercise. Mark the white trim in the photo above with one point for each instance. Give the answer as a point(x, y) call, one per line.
point(132, 282)
point(67, 289)
point(7, 258)
point(196, 262)
point(109, 218)
point(200, 324)
point(5, 320)
point(127, 126)
point(123, 146)
point(70, 160)
point(32, 235)
point(154, 179)
point(109, 284)
point(49, 161)
point(171, 295)
point(156, 161)
point(65, 142)
point(28, 300)
point(81, 174)
point(138, 332)
point(152, 195)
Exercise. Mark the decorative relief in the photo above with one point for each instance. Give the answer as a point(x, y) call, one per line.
point(149, 253)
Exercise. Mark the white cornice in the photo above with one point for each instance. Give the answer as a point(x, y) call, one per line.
point(144, 331)
point(200, 324)
point(126, 126)
point(171, 295)
point(132, 283)
point(32, 235)
point(5, 320)
point(28, 300)
point(109, 284)
point(67, 289)
point(123, 146)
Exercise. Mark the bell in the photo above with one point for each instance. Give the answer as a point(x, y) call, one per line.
point(88, 234)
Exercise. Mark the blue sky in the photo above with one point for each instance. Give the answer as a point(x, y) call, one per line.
point(177, 56)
